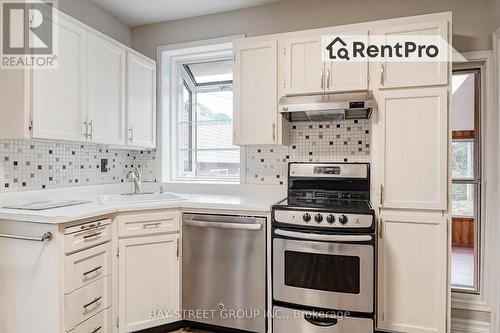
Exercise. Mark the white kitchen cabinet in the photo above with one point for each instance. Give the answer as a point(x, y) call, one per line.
point(59, 95)
point(105, 90)
point(413, 159)
point(342, 76)
point(149, 271)
point(307, 70)
point(86, 97)
point(412, 273)
point(399, 74)
point(255, 88)
point(303, 66)
point(141, 101)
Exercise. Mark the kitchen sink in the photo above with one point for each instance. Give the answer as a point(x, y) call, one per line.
point(130, 198)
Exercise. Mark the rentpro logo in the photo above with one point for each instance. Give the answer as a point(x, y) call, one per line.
point(430, 48)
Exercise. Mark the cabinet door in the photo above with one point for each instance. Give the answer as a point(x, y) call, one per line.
point(413, 266)
point(148, 282)
point(414, 157)
point(141, 108)
point(106, 91)
point(396, 74)
point(255, 92)
point(59, 110)
point(344, 76)
point(303, 67)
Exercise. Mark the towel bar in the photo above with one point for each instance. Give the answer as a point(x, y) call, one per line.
point(45, 237)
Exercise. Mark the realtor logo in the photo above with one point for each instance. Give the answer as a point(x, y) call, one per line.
point(28, 34)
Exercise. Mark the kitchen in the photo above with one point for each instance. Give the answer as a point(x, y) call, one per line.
point(213, 167)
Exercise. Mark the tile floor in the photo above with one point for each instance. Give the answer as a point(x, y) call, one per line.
point(462, 266)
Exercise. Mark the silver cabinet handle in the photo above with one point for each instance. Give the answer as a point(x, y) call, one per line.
point(96, 235)
point(222, 225)
point(151, 225)
point(381, 194)
point(45, 237)
point(96, 270)
point(86, 123)
point(322, 78)
point(328, 79)
point(91, 125)
point(90, 226)
point(85, 306)
point(382, 74)
point(320, 237)
point(131, 134)
point(274, 131)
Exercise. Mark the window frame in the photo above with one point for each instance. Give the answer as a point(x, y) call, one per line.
point(193, 89)
point(169, 59)
point(475, 181)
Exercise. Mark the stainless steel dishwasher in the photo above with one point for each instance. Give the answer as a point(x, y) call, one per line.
point(224, 271)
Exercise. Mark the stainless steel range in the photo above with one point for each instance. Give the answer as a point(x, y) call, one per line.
point(324, 250)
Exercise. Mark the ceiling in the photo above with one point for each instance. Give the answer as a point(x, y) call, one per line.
point(134, 13)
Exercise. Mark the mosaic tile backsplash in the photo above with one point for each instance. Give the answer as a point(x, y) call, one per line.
point(337, 141)
point(39, 164)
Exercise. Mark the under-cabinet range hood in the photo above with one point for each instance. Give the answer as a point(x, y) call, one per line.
point(327, 107)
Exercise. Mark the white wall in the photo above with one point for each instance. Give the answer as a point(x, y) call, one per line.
point(496, 14)
point(91, 14)
point(463, 104)
point(471, 20)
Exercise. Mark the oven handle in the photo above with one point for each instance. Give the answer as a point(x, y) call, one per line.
point(223, 225)
point(330, 238)
point(320, 321)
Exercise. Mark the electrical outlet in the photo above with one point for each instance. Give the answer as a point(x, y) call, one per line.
point(104, 165)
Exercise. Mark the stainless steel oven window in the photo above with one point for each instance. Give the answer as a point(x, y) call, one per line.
point(466, 180)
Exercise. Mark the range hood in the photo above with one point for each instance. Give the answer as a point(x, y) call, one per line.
point(327, 107)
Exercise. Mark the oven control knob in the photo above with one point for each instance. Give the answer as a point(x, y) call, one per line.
point(306, 217)
point(343, 219)
point(330, 218)
point(318, 218)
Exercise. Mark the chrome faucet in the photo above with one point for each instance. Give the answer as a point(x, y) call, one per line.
point(136, 177)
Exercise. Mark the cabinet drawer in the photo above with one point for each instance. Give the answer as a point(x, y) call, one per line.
point(148, 223)
point(83, 236)
point(87, 301)
point(87, 266)
point(100, 323)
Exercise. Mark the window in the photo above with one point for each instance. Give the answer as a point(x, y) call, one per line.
point(466, 180)
point(204, 126)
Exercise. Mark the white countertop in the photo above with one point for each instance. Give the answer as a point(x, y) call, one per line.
point(258, 199)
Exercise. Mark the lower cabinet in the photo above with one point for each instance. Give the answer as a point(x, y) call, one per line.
point(412, 272)
point(148, 281)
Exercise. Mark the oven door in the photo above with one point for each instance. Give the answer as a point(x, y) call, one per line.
point(326, 271)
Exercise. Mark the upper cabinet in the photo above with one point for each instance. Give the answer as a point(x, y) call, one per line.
point(85, 98)
point(59, 95)
point(399, 74)
point(255, 78)
point(105, 91)
point(141, 101)
point(348, 75)
point(414, 155)
point(305, 68)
